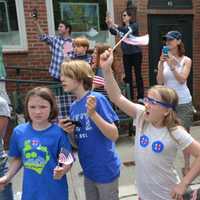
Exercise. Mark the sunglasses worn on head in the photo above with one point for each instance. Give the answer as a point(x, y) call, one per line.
point(156, 102)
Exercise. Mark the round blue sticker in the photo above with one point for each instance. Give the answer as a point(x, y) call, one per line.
point(144, 141)
point(157, 146)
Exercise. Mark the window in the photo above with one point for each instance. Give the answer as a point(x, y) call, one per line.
point(87, 18)
point(12, 25)
point(170, 4)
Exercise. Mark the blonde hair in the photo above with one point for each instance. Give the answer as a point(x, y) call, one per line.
point(78, 70)
point(168, 96)
point(81, 41)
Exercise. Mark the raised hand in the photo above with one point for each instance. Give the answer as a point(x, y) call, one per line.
point(91, 105)
point(106, 59)
point(109, 21)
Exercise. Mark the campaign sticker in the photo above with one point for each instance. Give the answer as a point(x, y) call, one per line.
point(144, 141)
point(157, 146)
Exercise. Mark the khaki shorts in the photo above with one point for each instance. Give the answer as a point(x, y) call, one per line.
point(185, 113)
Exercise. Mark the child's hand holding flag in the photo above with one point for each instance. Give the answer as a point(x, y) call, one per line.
point(65, 161)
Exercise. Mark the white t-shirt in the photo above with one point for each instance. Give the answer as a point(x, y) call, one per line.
point(171, 82)
point(155, 152)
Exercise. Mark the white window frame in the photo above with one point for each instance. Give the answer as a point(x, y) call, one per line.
point(51, 24)
point(23, 46)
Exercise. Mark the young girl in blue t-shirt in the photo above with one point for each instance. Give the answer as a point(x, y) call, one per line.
point(36, 145)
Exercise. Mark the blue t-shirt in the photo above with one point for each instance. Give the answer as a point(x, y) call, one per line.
point(97, 154)
point(39, 152)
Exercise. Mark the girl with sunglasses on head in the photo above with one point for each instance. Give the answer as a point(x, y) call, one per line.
point(158, 137)
point(132, 54)
point(173, 71)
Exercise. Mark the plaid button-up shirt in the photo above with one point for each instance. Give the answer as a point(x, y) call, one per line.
point(59, 47)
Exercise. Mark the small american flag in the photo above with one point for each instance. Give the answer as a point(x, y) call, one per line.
point(65, 157)
point(98, 80)
point(137, 40)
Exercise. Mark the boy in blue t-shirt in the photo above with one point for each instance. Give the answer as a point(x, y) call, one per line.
point(94, 131)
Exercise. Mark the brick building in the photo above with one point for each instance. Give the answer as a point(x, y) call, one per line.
point(22, 47)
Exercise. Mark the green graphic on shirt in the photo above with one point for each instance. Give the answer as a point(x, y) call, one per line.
point(35, 158)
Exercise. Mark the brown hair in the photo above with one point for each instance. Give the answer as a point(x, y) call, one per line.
point(81, 41)
point(181, 49)
point(78, 70)
point(101, 48)
point(131, 13)
point(46, 94)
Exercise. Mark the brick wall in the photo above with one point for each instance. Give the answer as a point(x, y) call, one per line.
point(142, 13)
point(38, 54)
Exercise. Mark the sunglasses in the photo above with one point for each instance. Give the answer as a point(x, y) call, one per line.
point(156, 102)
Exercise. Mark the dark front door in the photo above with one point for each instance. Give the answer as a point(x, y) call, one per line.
point(159, 25)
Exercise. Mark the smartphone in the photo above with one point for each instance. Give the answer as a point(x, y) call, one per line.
point(165, 50)
point(76, 123)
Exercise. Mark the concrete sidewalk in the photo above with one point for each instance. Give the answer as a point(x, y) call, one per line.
point(127, 188)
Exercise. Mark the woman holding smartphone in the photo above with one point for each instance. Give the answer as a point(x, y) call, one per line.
point(173, 71)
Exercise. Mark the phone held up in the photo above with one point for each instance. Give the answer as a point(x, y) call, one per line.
point(76, 123)
point(165, 50)
point(34, 13)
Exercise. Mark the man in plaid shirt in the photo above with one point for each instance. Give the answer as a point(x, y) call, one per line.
point(60, 46)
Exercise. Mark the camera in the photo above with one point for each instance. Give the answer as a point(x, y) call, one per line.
point(34, 13)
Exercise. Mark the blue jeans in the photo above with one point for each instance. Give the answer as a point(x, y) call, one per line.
point(7, 193)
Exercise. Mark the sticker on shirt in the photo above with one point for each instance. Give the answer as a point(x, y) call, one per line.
point(36, 156)
point(144, 141)
point(157, 146)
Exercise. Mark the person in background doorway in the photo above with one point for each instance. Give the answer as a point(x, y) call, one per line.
point(132, 55)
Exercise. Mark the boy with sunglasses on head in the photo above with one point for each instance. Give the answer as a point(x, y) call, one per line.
point(158, 137)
